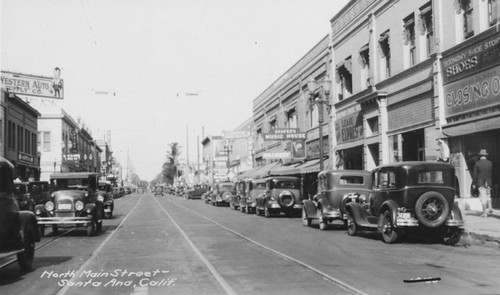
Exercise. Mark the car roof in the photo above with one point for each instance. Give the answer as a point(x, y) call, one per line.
point(421, 164)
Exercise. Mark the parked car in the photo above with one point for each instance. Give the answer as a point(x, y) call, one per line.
point(140, 190)
point(105, 194)
point(74, 202)
point(249, 192)
point(127, 190)
point(222, 193)
point(335, 189)
point(39, 191)
point(282, 195)
point(196, 191)
point(409, 197)
point(18, 229)
point(23, 196)
point(158, 190)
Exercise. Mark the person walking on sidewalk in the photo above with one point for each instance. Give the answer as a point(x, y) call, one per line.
point(483, 170)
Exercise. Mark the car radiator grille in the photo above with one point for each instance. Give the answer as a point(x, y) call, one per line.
point(65, 214)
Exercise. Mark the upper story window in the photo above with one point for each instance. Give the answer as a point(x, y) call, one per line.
point(493, 11)
point(291, 118)
point(385, 54)
point(344, 78)
point(260, 139)
point(465, 7)
point(313, 116)
point(425, 27)
point(273, 124)
point(409, 39)
point(364, 62)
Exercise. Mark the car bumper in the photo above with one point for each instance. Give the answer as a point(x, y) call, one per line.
point(64, 220)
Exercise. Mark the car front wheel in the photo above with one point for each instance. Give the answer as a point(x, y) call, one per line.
point(352, 227)
point(25, 259)
point(389, 233)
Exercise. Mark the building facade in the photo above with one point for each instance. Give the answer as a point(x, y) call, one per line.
point(19, 136)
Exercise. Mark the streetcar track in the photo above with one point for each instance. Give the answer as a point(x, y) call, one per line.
point(210, 267)
point(328, 277)
point(96, 252)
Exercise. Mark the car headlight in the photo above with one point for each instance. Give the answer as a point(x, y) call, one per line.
point(79, 205)
point(100, 198)
point(49, 206)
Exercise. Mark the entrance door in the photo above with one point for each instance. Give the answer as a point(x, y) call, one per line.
point(414, 145)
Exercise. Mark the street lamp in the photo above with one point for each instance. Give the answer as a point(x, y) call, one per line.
point(320, 97)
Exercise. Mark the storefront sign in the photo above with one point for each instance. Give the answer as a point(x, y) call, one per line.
point(313, 149)
point(349, 128)
point(479, 55)
point(71, 157)
point(25, 158)
point(475, 92)
point(284, 134)
point(277, 155)
point(236, 134)
point(32, 85)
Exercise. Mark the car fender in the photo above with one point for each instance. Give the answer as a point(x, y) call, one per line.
point(393, 209)
point(28, 218)
point(89, 207)
point(358, 212)
point(456, 214)
point(310, 207)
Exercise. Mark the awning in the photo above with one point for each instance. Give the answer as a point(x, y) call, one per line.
point(472, 127)
point(264, 170)
point(314, 167)
point(285, 170)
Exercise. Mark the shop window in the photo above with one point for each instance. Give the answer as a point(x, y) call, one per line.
point(409, 39)
point(385, 55)
point(364, 62)
point(493, 11)
point(425, 27)
point(344, 78)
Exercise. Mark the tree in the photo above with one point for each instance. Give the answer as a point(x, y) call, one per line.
point(169, 169)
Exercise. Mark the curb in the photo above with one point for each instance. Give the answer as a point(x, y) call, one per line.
point(475, 239)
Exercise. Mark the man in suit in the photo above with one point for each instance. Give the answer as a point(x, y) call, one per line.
point(483, 170)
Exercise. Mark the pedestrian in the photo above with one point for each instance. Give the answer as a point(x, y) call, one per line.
point(483, 170)
point(443, 151)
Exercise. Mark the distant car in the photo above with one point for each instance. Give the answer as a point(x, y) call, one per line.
point(23, 196)
point(18, 229)
point(127, 190)
point(249, 192)
point(409, 197)
point(140, 190)
point(282, 195)
point(74, 202)
point(222, 193)
point(158, 190)
point(105, 193)
point(39, 191)
point(196, 192)
point(335, 189)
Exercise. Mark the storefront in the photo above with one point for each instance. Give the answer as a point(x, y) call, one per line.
point(471, 84)
point(350, 140)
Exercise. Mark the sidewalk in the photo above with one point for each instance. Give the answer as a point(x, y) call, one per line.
point(481, 230)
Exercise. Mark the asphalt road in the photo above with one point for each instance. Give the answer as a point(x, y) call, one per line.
point(169, 245)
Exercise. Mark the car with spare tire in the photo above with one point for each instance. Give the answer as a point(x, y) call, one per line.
point(282, 194)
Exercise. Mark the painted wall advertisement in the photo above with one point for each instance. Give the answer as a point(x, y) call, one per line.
point(349, 128)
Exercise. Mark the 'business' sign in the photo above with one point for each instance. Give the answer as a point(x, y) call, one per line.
point(33, 85)
point(284, 134)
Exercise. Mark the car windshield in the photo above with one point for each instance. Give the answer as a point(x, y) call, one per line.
point(102, 187)
point(227, 187)
point(285, 184)
point(63, 184)
point(19, 189)
point(351, 180)
point(38, 187)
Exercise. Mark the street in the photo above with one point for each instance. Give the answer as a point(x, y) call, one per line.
point(169, 245)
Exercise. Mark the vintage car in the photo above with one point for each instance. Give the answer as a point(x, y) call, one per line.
point(74, 202)
point(140, 190)
point(335, 189)
point(39, 191)
point(23, 196)
point(196, 191)
point(282, 195)
point(409, 197)
point(18, 229)
point(249, 192)
point(105, 194)
point(158, 191)
point(222, 193)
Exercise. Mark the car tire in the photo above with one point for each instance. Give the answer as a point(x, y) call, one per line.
point(306, 221)
point(432, 209)
point(91, 229)
point(55, 229)
point(98, 226)
point(389, 232)
point(25, 258)
point(323, 224)
point(41, 228)
point(352, 227)
point(267, 214)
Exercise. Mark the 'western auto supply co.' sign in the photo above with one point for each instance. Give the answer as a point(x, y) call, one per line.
point(33, 85)
point(284, 134)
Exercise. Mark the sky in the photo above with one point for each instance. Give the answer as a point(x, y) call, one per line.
point(155, 72)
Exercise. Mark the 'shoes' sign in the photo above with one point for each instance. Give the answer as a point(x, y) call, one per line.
point(284, 134)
